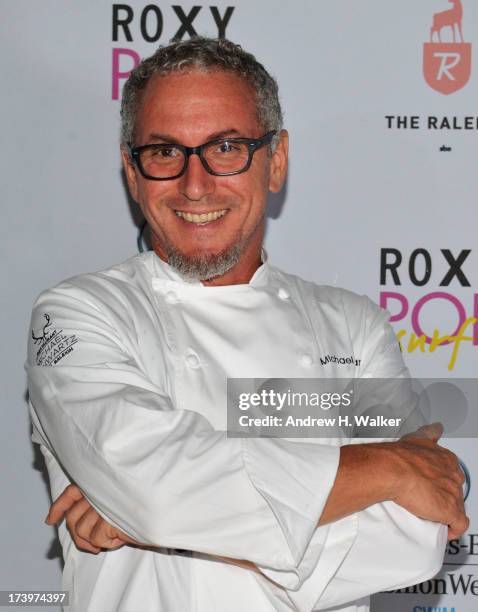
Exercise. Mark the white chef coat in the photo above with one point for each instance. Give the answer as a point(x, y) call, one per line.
point(127, 373)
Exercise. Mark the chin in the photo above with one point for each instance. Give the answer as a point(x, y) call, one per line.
point(204, 264)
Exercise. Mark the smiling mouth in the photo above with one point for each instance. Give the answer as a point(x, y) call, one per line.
point(203, 217)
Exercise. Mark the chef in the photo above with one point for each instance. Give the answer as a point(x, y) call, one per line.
point(128, 370)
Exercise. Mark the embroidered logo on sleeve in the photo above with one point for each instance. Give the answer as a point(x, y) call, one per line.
point(52, 343)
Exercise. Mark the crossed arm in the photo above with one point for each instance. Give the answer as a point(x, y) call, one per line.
point(415, 472)
point(116, 435)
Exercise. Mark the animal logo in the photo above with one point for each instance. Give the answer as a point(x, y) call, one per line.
point(44, 333)
point(450, 18)
point(447, 64)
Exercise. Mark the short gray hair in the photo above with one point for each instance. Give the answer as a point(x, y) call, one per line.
point(204, 54)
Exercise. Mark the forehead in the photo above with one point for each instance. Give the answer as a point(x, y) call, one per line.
point(191, 106)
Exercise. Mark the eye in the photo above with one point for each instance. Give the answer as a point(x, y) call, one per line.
point(226, 147)
point(166, 152)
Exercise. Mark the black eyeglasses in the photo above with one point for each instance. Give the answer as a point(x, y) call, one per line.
point(222, 157)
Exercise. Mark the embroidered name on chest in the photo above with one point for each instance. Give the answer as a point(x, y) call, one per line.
point(349, 360)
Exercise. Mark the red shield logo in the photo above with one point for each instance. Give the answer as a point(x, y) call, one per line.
point(447, 66)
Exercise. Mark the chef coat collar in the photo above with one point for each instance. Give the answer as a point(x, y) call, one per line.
point(166, 275)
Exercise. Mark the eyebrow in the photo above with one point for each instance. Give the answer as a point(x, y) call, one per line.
point(167, 138)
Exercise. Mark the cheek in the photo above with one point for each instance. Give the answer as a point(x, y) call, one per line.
point(150, 196)
point(260, 178)
point(251, 187)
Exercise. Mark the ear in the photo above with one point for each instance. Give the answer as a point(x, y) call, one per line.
point(130, 172)
point(278, 164)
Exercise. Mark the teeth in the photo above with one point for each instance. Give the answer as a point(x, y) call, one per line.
point(203, 218)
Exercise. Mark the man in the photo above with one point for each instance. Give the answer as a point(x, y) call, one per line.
point(127, 372)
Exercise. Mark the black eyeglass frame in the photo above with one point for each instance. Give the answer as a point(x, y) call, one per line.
point(253, 145)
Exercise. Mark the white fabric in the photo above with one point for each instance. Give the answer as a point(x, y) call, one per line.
point(127, 373)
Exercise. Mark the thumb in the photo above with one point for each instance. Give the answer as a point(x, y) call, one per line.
point(433, 432)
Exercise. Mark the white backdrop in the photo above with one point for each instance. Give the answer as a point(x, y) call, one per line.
point(358, 183)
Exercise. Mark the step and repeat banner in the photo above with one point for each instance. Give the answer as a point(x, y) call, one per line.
point(381, 198)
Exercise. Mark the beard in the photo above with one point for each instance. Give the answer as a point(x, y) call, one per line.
point(207, 266)
point(203, 266)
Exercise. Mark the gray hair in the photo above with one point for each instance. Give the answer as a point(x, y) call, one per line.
point(204, 54)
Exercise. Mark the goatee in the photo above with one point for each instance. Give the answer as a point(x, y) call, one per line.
point(206, 266)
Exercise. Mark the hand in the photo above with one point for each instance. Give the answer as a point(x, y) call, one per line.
point(429, 480)
point(88, 529)
point(91, 532)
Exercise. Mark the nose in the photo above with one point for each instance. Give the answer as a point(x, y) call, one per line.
point(196, 182)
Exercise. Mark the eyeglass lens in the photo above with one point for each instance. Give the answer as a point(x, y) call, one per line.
point(161, 161)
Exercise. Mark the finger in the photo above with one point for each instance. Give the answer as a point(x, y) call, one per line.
point(74, 514)
point(85, 545)
point(458, 526)
point(450, 480)
point(87, 523)
point(452, 534)
point(63, 503)
point(453, 469)
point(457, 476)
point(113, 543)
point(453, 505)
point(105, 535)
point(73, 517)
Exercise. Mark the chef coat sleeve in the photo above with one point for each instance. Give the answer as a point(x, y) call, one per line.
point(162, 475)
point(391, 549)
point(382, 547)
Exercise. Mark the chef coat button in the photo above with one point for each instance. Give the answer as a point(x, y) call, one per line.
point(283, 294)
point(171, 297)
point(306, 360)
point(193, 360)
